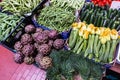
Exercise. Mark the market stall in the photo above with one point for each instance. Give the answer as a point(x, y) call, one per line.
point(69, 39)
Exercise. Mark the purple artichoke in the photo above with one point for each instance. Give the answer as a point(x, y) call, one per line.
point(41, 38)
point(30, 28)
point(46, 32)
point(28, 60)
point(58, 44)
point(18, 46)
point(44, 49)
point(45, 62)
point(38, 58)
point(28, 50)
point(39, 30)
point(19, 58)
point(53, 34)
point(26, 38)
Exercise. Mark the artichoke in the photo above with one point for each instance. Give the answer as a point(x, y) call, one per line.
point(28, 49)
point(46, 32)
point(18, 46)
point(41, 38)
point(30, 28)
point(53, 34)
point(44, 49)
point(28, 60)
point(18, 57)
point(38, 58)
point(26, 38)
point(39, 30)
point(58, 44)
point(45, 62)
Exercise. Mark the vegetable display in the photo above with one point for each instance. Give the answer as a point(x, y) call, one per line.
point(7, 24)
point(19, 7)
point(75, 4)
point(96, 43)
point(60, 14)
point(55, 17)
point(102, 2)
point(35, 45)
point(67, 65)
point(100, 16)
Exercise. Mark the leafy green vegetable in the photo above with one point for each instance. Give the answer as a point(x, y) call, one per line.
point(66, 63)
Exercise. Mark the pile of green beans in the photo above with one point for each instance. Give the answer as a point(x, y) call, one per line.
point(7, 24)
point(56, 18)
point(75, 4)
point(19, 7)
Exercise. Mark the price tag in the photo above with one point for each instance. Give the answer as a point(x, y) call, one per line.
point(115, 5)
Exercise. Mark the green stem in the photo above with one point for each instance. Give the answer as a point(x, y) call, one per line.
point(95, 44)
point(113, 46)
point(102, 52)
point(107, 52)
point(80, 49)
point(78, 43)
point(73, 38)
point(88, 47)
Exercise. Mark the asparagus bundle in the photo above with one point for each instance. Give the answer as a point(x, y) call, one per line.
point(96, 43)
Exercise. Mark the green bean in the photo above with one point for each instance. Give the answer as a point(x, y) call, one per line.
point(19, 7)
point(7, 24)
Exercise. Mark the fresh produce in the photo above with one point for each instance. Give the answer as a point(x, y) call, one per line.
point(19, 7)
point(28, 49)
point(29, 60)
point(58, 44)
point(36, 43)
point(41, 38)
point(53, 34)
point(45, 62)
point(67, 64)
point(26, 38)
point(18, 46)
point(19, 57)
point(55, 17)
point(7, 24)
point(100, 16)
point(102, 2)
point(76, 4)
point(44, 49)
point(29, 29)
point(96, 43)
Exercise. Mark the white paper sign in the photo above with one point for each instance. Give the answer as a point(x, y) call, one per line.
point(115, 5)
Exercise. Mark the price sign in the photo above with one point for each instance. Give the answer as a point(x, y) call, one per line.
point(115, 5)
